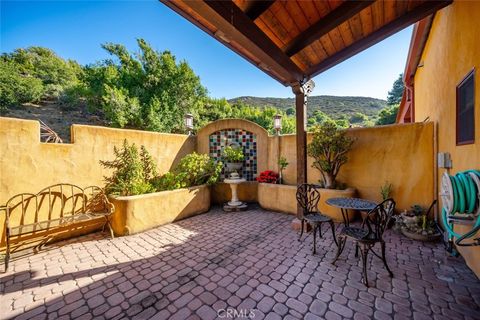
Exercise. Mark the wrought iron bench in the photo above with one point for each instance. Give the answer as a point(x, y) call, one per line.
point(56, 206)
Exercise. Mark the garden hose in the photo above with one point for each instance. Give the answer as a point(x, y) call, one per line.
point(461, 205)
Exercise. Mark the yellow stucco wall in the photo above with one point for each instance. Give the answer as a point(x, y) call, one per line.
point(452, 50)
point(400, 154)
point(138, 213)
point(246, 191)
point(26, 165)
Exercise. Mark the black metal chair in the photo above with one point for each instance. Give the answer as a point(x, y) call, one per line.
point(308, 197)
point(371, 233)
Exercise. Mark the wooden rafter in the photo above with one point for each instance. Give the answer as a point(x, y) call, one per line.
point(258, 7)
point(233, 15)
point(344, 12)
point(387, 30)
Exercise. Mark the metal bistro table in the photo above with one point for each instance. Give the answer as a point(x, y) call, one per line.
point(346, 204)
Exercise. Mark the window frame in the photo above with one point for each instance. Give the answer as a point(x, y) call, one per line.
point(467, 77)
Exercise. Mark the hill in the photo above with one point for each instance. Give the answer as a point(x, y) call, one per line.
point(334, 106)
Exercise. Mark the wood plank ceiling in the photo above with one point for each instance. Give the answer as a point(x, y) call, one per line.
point(295, 40)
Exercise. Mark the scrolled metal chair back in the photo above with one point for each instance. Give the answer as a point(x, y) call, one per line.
point(308, 197)
point(378, 218)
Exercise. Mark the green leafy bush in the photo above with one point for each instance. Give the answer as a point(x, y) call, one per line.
point(233, 154)
point(133, 171)
point(54, 73)
point(329, 148)
point(16, 88)
point(387, 115)
point(193, 170)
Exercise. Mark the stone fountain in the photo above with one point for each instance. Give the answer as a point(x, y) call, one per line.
point(234, 205)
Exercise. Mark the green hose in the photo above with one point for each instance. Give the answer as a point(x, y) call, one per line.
point(465, 198)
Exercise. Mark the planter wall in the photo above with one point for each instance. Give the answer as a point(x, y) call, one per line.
point(279, 197)
point(135, 214)
point(247, 192)
point(332, 212)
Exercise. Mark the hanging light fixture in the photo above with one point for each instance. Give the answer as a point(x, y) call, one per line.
point(277, 123)
point(188, 121)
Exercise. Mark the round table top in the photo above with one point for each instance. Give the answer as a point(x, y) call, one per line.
point(352, 203)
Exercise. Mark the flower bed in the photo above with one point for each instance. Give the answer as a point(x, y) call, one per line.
point(282, 198)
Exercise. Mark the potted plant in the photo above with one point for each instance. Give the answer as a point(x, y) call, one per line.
point(233, 156)
point(329, 149)
point(416, 224)
point(282, 164)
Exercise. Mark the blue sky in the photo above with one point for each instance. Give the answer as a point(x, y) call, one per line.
point(75, 30)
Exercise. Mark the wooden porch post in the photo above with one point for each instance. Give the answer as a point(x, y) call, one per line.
point(301, 115)
point(301, 91)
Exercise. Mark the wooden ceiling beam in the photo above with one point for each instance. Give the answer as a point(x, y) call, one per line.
point(201, 15)
point(236, 18)
point(258, 7)
point(421, 11)
point(326, 24)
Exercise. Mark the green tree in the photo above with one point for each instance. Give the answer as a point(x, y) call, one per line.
point(16, 88)
point(149, 91)
point(395, 94)
point(329, 149)
point(358, 118)
point(55, 73)
point(387, 115)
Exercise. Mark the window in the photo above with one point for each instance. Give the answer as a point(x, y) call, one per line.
point(466, 110)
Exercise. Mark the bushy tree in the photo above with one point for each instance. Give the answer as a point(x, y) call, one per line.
point(55, 73)
point(16, 88)
point(395, 94)
point(329, 148)
point(149, 91)
point(387, 115)
point(133, 171)
point(358, 118)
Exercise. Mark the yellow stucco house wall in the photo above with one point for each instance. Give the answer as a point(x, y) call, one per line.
point(451, 52)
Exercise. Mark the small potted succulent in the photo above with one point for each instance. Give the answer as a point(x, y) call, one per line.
point(233, 156)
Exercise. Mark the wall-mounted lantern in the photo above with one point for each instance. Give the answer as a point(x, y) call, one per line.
point(277, 123)
point(188, 121)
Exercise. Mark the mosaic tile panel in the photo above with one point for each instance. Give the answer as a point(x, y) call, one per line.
point(247, 140)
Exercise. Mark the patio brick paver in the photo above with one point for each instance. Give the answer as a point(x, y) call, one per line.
point(243, 261)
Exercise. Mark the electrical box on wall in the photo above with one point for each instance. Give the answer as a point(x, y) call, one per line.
point(444, 160)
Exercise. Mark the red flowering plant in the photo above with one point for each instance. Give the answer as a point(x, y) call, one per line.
point(268, 176)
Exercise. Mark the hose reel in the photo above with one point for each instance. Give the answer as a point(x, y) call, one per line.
point(461, 205)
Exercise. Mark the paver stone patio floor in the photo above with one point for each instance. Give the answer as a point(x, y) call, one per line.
point(218, 264)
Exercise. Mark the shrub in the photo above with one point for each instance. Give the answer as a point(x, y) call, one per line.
point(268, 176)
point(233, 154)
point(133, 171)
point(329, 148)
point(193, 170)
point(16, 88)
